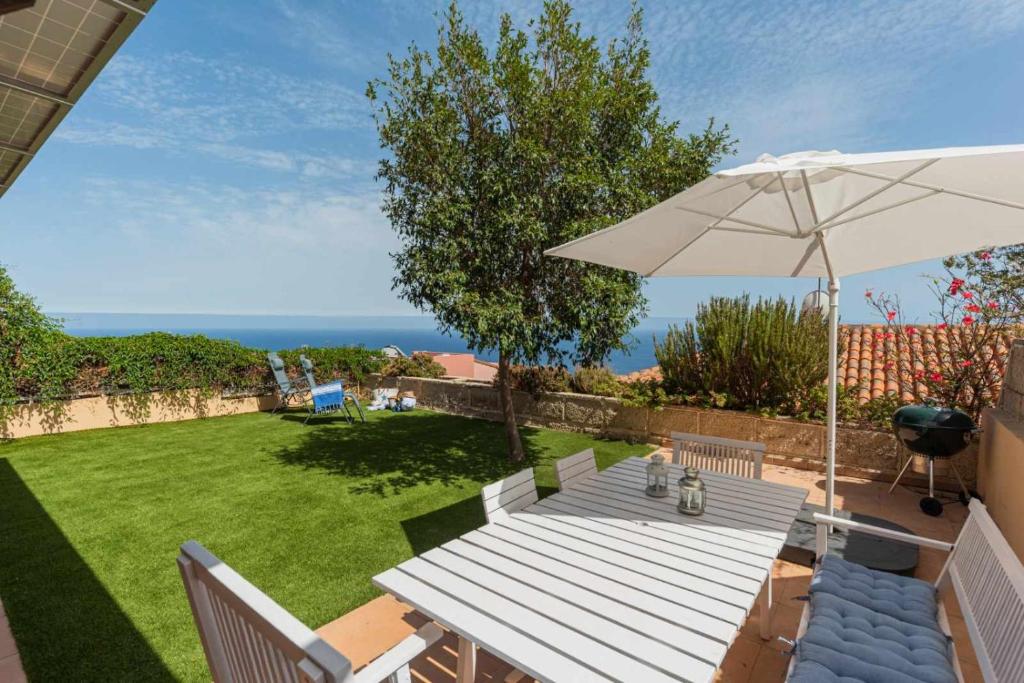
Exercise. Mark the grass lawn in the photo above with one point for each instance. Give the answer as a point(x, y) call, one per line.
point(90, 523)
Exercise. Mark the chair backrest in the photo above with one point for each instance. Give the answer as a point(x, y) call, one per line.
point(307, 370)
point(575, 468)
point(277, 367)
point(247, 636)
point(988, 579)
point(715, 454)
point(509, 495)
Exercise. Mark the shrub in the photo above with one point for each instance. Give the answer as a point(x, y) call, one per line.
point(539, 379)
point(417, 365)
point(762, 356)
point(597, 381)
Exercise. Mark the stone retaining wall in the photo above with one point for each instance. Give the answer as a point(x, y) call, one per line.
point(859, 452)
point(97, 412)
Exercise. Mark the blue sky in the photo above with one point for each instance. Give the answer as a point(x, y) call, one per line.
point(223, 162)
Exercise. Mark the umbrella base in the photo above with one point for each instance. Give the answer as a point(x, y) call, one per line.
point(869, 551)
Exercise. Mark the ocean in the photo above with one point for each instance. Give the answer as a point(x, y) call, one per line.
point(409, 333)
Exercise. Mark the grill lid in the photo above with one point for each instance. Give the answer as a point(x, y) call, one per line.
point(932, 431)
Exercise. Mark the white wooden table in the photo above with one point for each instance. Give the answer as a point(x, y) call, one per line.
point(602, 582)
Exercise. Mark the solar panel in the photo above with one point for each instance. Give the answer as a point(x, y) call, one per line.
point(49, 54)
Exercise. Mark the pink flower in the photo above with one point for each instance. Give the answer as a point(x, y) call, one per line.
point(890, 335)
point(918, 374)
point(966, 364)
point(887, 366)
point(973, 308)
point(967, 295)
point(955, 285)
point(911, 330)
point(935, 377)
point(985, 255)
point(993, 305)
point(942, 326)
point(968, 320)
point(867, 293)
point(890, 315)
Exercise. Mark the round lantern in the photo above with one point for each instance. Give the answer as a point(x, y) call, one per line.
point(692, 495)
point(657, 476)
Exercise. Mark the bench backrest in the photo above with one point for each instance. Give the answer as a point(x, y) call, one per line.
point(247, 636)
point(988, 579)
point(509, 495)
point(715, 454)
point(575, 468)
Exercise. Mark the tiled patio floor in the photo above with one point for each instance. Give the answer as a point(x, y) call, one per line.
point(369, 630)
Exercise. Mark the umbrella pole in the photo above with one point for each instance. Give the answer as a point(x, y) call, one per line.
point(833, 384)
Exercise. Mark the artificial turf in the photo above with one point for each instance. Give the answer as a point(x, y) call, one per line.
point(90, 523)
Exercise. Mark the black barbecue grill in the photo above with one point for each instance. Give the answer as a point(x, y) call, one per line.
point(937, 434)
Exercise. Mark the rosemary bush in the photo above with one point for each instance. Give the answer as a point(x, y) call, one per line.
point(765, 356)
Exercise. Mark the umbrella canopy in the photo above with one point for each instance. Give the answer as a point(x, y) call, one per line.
point(823, 214)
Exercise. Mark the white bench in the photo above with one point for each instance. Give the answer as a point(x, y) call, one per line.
point(987, 579)
point(247, 636)
point(715, 454)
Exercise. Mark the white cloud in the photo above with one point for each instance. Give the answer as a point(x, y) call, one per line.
point(183, 103)
point(196, 246)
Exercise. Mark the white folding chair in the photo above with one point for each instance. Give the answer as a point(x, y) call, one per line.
point(715, 454)
point(247, 637)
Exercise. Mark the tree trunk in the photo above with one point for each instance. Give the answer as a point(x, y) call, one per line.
point(515, 445)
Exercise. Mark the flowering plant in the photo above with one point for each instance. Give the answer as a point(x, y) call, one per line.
point(957, 361)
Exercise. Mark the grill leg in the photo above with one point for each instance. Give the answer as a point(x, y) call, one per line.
point(960, 479)
point(910, 459)
point(931, 477)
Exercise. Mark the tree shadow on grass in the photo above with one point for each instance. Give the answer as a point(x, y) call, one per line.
point(437, 527)
point(390, 454)
point(67, 626)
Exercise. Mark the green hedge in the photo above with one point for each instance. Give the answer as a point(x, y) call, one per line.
point(57, 365)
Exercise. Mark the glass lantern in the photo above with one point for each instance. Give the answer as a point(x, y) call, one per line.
point(657, 477)
point(692, 495)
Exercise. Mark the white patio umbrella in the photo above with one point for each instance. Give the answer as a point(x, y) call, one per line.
point(823, 214)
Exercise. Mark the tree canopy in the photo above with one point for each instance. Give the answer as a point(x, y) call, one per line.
point(494, 155)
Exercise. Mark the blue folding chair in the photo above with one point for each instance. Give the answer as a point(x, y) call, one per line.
point(330, 397)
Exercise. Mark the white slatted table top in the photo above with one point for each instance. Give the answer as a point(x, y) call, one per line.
point(601, 582)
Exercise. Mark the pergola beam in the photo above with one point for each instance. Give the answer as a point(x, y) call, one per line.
point(35, 91)
point(126, 6)
point(7, 147)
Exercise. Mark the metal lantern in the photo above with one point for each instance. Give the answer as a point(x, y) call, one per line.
point(657, 476)
point(692, 495)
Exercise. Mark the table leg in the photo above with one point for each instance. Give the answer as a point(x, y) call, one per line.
point(466, 669)
point(766, 607)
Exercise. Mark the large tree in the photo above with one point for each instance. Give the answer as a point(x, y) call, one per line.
point(495, 155)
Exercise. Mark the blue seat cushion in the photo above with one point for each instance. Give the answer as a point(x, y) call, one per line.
point(900, 597)
point(849, 643)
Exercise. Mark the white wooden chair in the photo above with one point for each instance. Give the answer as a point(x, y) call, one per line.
point(715, 454)
point(575, 468)
point(247, 637)
point(987, 579)
point(509, 495)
